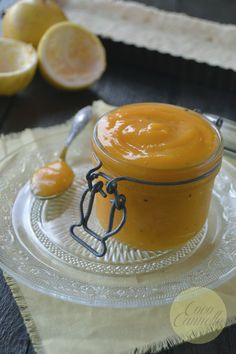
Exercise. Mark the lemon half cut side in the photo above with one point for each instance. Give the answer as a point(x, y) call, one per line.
point(70, 56)
point(18, 62)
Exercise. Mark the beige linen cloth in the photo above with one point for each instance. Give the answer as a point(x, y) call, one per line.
point(59, 327)
point(148, 27)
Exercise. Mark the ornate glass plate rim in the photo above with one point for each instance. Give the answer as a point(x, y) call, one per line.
point(136, 291)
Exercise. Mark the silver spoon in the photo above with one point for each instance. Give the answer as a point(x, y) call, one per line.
point(58, 173)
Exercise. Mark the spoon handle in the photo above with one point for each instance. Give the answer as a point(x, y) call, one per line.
point(81, 118)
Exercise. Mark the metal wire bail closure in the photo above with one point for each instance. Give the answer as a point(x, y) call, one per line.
point(117, 203)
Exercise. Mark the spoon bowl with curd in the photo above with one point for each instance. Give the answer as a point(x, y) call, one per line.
point(56, 177)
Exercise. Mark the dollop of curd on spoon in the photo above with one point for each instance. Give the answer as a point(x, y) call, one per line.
point(52, 179)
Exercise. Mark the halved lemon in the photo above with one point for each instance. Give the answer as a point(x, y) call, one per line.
point(70, 56)
point(18, 62)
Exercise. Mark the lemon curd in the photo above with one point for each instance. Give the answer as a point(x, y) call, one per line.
point(157, 139)
point(52, 179)
point(165, 144)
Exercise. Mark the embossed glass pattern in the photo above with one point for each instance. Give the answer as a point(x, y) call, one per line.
point(36, 248)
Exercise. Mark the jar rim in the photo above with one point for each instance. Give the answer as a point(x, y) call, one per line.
point(214, 156)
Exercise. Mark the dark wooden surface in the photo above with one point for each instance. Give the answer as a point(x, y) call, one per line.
point(127, 79)
point(13, 336)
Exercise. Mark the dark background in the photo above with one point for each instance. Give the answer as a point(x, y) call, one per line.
point(132, 75)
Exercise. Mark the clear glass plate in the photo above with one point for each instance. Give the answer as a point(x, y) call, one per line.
point(37, 249)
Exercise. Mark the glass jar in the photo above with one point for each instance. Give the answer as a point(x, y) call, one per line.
point(165, 208)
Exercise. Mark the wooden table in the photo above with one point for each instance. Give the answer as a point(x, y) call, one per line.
point(126, 80)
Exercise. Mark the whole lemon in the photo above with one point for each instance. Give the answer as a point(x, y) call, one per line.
point(27, 20)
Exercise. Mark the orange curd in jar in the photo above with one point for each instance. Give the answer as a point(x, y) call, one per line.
point(178, 152)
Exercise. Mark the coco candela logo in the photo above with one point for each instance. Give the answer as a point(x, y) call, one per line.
point(198, 315)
